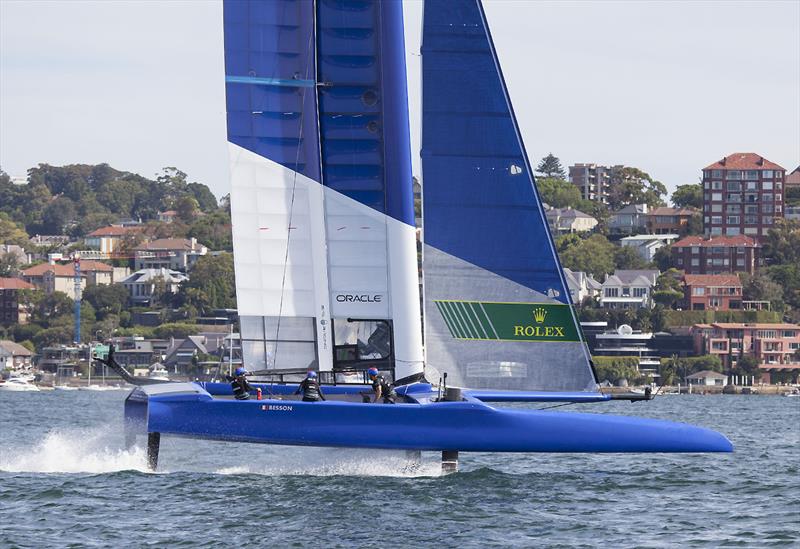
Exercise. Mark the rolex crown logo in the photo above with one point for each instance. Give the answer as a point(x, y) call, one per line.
point(539, 314)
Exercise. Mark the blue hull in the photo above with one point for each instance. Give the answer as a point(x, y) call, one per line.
point(189, 410)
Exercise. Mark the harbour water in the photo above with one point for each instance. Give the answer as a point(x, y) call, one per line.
point(66, 480)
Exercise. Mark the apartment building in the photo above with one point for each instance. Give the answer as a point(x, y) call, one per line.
point(742, 195)
point(712, 292)
point(717, 255)
point(775, 346)
point(664, 220)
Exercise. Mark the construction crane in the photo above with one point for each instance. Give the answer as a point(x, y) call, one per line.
point(76, 257)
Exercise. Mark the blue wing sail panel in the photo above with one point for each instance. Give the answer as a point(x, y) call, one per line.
point(363, 104)
point(481, 203)
point(270, 79)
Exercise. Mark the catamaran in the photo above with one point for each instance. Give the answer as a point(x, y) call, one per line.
point(326, 255)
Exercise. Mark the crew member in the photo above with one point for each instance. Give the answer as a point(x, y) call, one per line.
point(382, 388)
point(310, 388)
point(241, 388)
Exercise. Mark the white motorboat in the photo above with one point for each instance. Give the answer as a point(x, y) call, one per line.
point(18, 384)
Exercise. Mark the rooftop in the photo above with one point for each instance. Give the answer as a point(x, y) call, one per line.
point(115, 230)
point(15, 284)
point(743, 161)
point(14, 349)
point(188, 244)
point(712, 280)
point(665, 210)
point(729, 241)
point(705, 374)
point(67, 269)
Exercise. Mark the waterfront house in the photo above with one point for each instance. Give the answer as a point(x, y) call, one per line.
point(14, 356)
point(707, 378)
point(712, 292)
point(774, 345)
point(628, 289)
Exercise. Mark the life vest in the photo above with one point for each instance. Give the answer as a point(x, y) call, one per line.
point(311, 389)
point(240, 388)
point(387, 389)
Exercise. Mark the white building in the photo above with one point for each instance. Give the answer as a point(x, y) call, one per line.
point(581, 285)
point(629, 289)
point(179, 254)
point(14, 356)
point(707, 378)
point(646, 245)
point(569, 220)
point(142, 283)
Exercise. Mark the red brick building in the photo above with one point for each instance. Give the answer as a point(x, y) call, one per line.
point(664, 220)
point(775, 346)
point(712, 292)
point(716, 255)
point(10, 310)
point(742, 195)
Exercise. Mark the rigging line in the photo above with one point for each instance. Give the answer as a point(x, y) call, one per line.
point(291, 202)
point(557, 406)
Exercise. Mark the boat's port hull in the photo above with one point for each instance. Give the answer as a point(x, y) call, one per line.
point(189, 410)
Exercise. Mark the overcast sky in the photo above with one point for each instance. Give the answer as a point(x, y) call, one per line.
point(668, 87)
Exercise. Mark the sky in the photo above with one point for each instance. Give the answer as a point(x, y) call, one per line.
point(668, 87)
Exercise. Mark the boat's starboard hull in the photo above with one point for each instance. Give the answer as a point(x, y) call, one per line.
point(188, 410)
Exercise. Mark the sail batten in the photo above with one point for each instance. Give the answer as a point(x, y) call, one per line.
point(497, 309)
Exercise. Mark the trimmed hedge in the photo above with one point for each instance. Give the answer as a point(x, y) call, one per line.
point(689, 318)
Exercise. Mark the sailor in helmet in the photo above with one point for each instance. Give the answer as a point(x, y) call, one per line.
point(382, 388)
point(241, 388)
point(310, 388)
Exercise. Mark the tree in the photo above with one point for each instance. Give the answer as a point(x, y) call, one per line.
point(688, 196)
point(694, 226)
point(211, 284)
point(58, 215)
point(782, 245)
point(187, 208)
point(747, 365)
point(107, 299)
point(633, 186)
point(11, 232)
point(9, 265)
point(626, 257)
point(667, 291)
point(550, 166)
point(594, 255)
point(759, 287)
point(558, 193)
point(663, 258)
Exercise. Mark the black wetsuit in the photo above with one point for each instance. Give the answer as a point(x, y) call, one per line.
point(241, 388)
point(311, 390)
point(387, 391)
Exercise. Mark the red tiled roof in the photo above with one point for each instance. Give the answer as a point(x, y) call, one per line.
point(729, 241)
point(167, 244)
point(712, 280)
point(15, 284)
point(743, 161)
point(67, 269)
point(114, 231)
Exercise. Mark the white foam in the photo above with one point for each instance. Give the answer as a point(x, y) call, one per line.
point(340, 462)
point(83, 451)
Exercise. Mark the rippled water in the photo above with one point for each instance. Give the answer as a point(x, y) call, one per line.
point(66, 480)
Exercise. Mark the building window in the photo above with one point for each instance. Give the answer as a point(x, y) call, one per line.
point(716, 185)
point(715, 231)
point(733, 208)
point(766, 174)
point(750, 230)
point(716, 219)
point(732, 231)
point(751, 174)
point(715, 302)
point(767, 197)
point(751, 186)
point(751, 208)
point(751, 220)
point(716, 174)
point(751, 197)
point(695, 262)
point(766, 220)
point(716, 197)
point(733, 220)
point(719, 345)
point(733, 174)
point(695, 250)
point(734, 197)
point(699, 291)
point(716, 208)
point(766, 208)
point(740, 262)
point(734, 186)
point(612, 292)
point(639, 292)
point(766, 185)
